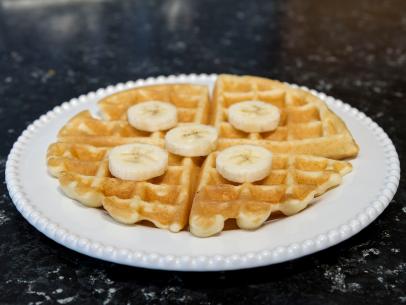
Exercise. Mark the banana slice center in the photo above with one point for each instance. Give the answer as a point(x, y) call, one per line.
point(195, 134)
point(255, 110)
point(246, 157)
point(138, 156)
point(153, 110)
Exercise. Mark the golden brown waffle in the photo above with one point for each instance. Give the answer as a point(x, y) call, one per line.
point(79, 158)
point(293, 183)
point(307, 126)
point(191, 102)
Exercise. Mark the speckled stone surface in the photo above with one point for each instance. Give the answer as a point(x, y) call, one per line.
point(51, 51)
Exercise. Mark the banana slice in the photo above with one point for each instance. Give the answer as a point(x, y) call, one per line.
point(244, 163)
point(254, 116)
point(191, 140)
point(152, 116)
point(137, 162)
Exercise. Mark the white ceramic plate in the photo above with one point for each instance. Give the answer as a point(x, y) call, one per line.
point(336, 216)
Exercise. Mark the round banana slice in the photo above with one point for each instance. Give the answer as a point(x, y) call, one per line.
point(152, 116)
point(137, 162)
point(254, 116)
point(244, 163)
point(191, 140)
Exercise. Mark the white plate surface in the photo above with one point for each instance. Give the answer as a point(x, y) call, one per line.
point(336, 216)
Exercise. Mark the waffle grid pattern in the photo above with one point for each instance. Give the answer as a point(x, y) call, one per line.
point(293, 183)
point(307, 126)
point(79, 159)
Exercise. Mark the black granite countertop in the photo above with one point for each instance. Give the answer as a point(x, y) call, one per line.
point(51, 51)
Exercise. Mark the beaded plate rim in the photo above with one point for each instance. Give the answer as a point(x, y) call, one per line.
point(197, 263)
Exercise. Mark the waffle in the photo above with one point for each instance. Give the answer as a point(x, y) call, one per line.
point(294, 181)
point(307, 126)
point(190, 192)
point(79, 158)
